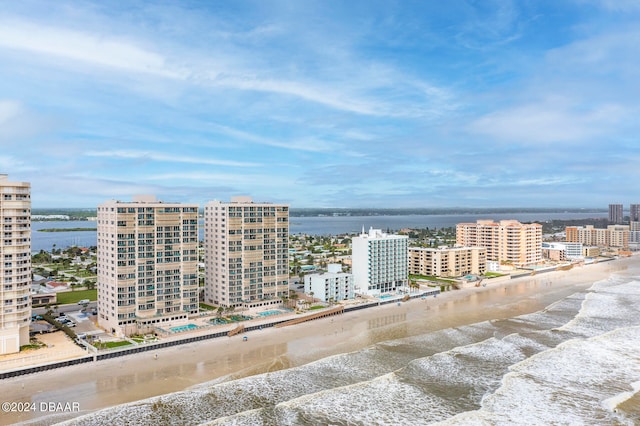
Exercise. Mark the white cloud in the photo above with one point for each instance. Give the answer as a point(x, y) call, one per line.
point(229, 67)
point(84, 47)
point(306, 144)
point(616, 5)
point(553, 120)
point(154, 156)
point(8, 111)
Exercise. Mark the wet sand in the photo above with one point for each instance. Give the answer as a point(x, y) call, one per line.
point(131, 378)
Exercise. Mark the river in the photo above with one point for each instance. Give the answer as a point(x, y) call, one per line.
point(313, 225)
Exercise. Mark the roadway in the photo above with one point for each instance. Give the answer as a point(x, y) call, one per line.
point(72, 307)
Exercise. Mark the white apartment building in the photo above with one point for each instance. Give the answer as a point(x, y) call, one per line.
point(447, 261)
point(560, 251)
point(380, 262)
point(507, 241)
point(15, 274)
point(246, 253)
point(634, 232)
point(147, 264)
point(333, 285)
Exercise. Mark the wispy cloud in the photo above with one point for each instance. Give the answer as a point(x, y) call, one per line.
point(8, 111)
point(548, 122)
point(252, 138)
point(411, 102)
point(104, 50)
point(169, 158)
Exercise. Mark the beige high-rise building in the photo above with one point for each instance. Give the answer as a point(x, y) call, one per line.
point(15, 275)
point(147, 264)
point(447, 261)
point(611, 236)
point(507, 241)
point(246, 253)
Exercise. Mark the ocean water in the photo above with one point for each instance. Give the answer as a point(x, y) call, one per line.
point(576, 362)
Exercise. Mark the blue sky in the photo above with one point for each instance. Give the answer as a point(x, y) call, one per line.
point(323, 103)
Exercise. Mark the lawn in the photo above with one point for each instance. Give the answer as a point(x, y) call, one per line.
point(110, 345)
point(76, 296)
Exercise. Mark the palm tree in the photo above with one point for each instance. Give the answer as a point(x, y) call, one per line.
point(293, 296)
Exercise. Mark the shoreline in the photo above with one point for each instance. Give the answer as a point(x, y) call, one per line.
point(139, 376)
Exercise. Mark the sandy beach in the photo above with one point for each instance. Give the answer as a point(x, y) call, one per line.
point(131, 378)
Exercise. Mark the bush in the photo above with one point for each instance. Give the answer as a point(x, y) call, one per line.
point(67, 330)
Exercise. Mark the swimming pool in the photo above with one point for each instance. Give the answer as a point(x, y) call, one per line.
point(186, 327)
point(269, 313)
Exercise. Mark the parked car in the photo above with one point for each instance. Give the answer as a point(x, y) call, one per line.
point(67, 322)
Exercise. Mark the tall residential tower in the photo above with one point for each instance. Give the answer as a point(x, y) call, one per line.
point(615, 214)
point(15, 275)
point(380, 262)
point(147, 264)
point(634, 213)
point(246, 253)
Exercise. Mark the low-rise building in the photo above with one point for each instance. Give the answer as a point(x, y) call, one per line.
point(332, 285)
point(561, 251)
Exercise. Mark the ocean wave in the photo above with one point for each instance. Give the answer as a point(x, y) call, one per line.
point(565, 385)
point(569, 363)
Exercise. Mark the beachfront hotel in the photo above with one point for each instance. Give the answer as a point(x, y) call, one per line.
point(15, 275)
point(447, 261)
point(507, 241)
point(379, 262)
point(147, 264)
point(246, 248)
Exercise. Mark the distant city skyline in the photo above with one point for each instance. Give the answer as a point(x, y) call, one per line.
point(368, 104)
